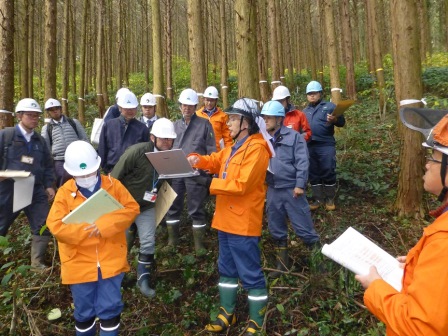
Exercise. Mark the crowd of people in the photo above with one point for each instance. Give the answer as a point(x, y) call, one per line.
point(252, 160)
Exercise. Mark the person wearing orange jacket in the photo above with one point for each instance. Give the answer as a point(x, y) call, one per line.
point(294, 118)
point(93, 256)
point(217, 117)
point(240, 194)
point(421, 307)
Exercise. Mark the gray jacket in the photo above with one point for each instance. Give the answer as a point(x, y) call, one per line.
point(63, 135)
point(196, 137)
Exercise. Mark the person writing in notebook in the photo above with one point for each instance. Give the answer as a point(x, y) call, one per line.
point(421, 308)
point(138, 175)
point(93, 256)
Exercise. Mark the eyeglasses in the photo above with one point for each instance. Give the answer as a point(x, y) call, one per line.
point(429, 158)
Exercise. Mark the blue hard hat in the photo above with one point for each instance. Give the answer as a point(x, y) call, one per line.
point(313, 86)
point(273, 108)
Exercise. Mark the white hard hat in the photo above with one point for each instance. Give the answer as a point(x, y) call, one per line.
point(120, 92)
point(244, 106)
point(163, 128)
point(188, 97)
point(81, 159)
point(52, 103)
point(280, 92)
point(148, 99)
point(28, 105)
point(211, 92)
point(127, 100)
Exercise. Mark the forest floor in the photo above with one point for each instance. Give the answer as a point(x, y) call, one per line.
point(316, 298)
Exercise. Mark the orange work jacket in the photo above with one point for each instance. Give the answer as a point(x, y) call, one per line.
point(80, 254)
point(421, 308)
point(219, 124)
point(240, 187)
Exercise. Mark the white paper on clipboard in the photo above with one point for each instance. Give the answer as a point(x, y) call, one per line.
point(23, 192)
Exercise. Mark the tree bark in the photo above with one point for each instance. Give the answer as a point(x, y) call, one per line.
point(169, 50)
point(82, 63)
point(65, 59)
point(348, 46)
point(246, 48)
point(408, 85)
point(25, 51)
point(332, 48)
point(198, 79)
point(224, 65)
point(262, 56)
point(100, 66)
point(6, 63)
point(157, 58)
point(273, 45)
point(50, 49)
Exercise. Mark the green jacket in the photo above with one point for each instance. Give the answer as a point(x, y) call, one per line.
point(134, 170)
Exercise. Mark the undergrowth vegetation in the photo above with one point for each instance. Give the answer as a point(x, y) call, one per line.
point(317, 297)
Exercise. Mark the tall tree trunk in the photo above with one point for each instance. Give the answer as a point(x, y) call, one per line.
point(82, 63)
point(6, 63)
point(30, 44)
point(224, 65)
point(196, 46)
point(169, 50)
point(100, 66)
point(73, 45)
point(24, 85)
point(50, 48)
point(310, 43)
point(120, 46)
point(262, 57)
point(157, 59)
point(65, 58)
point(348, 46)
point(332, 48)
point(408, 85)
point(246, 48)
point(377, 57)
point(273, 45)
point(425, 42)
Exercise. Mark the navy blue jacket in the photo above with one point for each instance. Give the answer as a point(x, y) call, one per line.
point(289, 167)
point(321, 130)
point(114, 112)
point(115, 138)
point(42, 162)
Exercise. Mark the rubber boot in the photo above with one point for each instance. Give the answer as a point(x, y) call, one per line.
point(258, 300)
point(172, 227)
point(281, 250)
point(39, 246)
point(131, 233)
point(318, 196)
point(87, 328)
point(228, 288)
point(330, 193)
point(145, 267)
point(198, 235)
point(110, 327)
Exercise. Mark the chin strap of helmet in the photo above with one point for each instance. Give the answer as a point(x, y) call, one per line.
point(442, 195)
point(241, 129)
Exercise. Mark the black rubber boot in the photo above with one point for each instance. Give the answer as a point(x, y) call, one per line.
point(145, 268)
point(282, 257)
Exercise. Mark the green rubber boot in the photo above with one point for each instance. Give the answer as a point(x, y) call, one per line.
point(228, 288)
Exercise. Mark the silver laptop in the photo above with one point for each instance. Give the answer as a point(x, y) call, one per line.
point(171, 164)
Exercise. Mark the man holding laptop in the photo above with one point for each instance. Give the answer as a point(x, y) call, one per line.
point(137, 174)
point(194, 135)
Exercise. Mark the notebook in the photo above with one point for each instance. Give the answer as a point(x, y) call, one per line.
point(171, 164)
point(100, 203)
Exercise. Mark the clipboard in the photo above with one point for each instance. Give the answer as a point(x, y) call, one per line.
point(165, 198)
point(97, 205)
point(342, 106)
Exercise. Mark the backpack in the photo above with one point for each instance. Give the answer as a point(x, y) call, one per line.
point(50, 129)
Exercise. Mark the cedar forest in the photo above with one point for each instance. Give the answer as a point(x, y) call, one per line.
point(378, 52)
